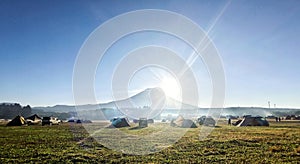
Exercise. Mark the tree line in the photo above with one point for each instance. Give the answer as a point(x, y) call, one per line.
point(9, 111)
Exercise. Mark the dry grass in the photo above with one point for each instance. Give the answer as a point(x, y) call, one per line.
point(226, 144)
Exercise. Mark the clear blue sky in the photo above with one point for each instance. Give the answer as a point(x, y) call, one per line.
point(258, 42)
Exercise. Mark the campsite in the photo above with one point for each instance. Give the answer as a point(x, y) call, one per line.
point(69, 142)
point(95, 81)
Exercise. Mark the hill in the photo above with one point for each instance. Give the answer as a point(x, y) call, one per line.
point(141, 105)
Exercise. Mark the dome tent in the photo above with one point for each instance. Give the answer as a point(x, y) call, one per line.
point(183, 123)
point(119, 122)
point(253, 121)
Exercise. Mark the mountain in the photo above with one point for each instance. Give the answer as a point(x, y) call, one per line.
point(56, 108)
point(152, 102)
point(10, 110)
point(146, 98)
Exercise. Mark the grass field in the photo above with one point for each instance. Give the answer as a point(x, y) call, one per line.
point(279, 143)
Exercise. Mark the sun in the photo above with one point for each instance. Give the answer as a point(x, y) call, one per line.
point(171, 88)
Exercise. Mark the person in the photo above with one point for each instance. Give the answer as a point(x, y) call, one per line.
point(279, 119)
point(229, 121)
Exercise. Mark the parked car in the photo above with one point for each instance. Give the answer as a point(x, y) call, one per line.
point(50, 121)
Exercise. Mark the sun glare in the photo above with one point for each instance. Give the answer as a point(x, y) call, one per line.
point(170, 87)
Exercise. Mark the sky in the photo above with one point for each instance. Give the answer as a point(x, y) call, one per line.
point(256, 40)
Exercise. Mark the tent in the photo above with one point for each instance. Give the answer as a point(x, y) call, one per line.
point(81, 121)
point(187, 123)
point(183, 123)
point(119, 122)
point(237, 122)
point(86, 121)
point(34, 119)
point(253, 121)
point(150, 121)
point(17, 121)
point(143, 122)
point(71, 120)
point(207, 121)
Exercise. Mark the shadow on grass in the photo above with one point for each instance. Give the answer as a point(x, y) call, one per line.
point(136, 128)
point(217, 126)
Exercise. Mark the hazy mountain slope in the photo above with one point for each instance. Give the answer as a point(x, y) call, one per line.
point(144, 101)
point(140, 100)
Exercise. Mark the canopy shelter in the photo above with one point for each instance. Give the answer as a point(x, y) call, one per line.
point(34, 119)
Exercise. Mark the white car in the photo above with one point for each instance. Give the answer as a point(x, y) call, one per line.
point(50, 121)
